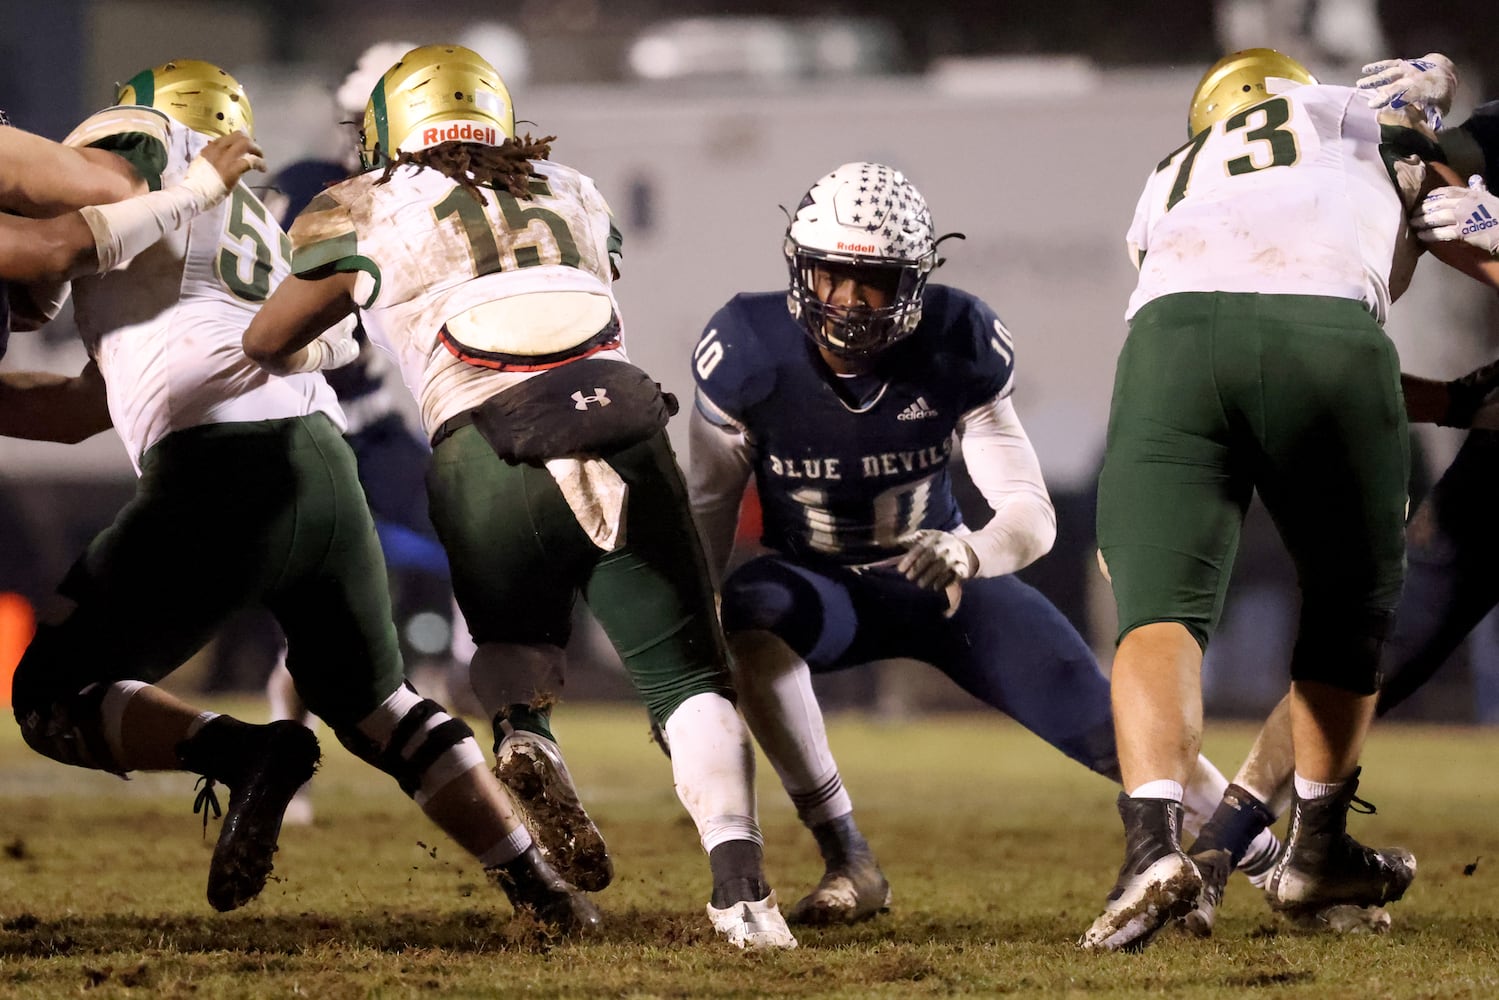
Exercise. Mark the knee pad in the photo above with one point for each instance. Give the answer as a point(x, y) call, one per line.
point(1341, 648)
point(415, 741)
point(68, 728)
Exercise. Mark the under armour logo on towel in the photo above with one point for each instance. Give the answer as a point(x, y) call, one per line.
point(600, 396)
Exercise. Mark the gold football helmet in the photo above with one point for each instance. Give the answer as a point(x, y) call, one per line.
point(1237, 81)
point(436, 93)
point(196, 93)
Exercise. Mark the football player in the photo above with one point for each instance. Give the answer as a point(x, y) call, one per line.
point(390, 455)
point(485, 268)
point(43, 178)
point(871, 558)
point(247, 494)
point(1256, 361)
point(1450, 541)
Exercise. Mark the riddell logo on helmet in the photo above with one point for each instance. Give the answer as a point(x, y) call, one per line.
point(856, 247)
point(460, 131)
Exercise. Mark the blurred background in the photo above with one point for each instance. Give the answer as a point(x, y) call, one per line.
point(1029, 127)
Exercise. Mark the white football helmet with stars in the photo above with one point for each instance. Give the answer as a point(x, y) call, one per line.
point(864, 215)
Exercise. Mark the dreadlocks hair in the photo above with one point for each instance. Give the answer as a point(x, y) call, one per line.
point(472, 164)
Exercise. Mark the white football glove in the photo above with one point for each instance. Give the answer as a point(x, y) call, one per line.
point(1429, 82)
point(935, 560)
point(1469, 214)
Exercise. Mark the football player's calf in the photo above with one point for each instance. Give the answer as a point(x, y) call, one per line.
point(262, 765)
point(516, 684)
point(713, 766)
point(777, 699)
point(436, 760)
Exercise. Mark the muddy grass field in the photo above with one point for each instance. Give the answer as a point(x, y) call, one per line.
point(999, 852)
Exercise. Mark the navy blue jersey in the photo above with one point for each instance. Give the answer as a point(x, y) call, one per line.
point(845, 467)
point(1483, 126)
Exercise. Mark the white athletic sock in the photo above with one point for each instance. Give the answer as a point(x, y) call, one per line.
point(776, 697)
point(1161, 788)
point(508, 849)
point(713, 765)
point(1317, 789)
point(1256, 863)
point(1205, 788)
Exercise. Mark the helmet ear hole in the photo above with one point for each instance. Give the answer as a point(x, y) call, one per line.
point(1238, 81)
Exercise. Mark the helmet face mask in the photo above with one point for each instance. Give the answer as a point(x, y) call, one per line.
point(865, 222)
point(1237, 81)
point(435, 94)
point(195, 93)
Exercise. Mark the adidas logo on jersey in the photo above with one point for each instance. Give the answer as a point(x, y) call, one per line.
point(1479, 221)
point(919, 410)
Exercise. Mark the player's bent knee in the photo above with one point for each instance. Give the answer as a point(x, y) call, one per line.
point(66, 727)
point(415, 741)
point(1341, 648)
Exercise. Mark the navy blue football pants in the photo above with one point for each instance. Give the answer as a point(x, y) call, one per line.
point(1006, 645)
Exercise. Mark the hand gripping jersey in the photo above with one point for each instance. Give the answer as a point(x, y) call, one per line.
point(426, 250)
point(366, 386)
point(1297, 195)
point(843, 472)
point(166, 326)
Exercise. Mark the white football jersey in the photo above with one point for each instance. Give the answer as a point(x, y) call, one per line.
point(427, 251)
point(1293, 196)
point(166, 325)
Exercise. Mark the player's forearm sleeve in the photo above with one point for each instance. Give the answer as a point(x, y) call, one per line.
point(1004, 467)
point(125, 228)
point(717, 471)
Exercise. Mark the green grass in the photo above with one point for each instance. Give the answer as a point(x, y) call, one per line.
point(999, 851)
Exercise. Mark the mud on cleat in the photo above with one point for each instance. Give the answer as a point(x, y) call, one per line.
point(855, 890)
point(1157, 884)
point(1343, 919)
point(535, 888)
point(532, 768)
point(1214, 866)
point(1323, 867)
point(753, 926)
point(277, 760)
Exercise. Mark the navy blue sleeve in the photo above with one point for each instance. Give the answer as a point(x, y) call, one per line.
point(986, 345)
point(1483, 126)
point(731, 366)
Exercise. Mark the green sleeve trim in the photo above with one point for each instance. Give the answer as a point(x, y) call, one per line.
point(146, 153)
point(343, 265)
point(315, 256)
point(369, 267)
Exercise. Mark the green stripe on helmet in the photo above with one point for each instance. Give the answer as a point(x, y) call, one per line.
point(144, 85)
point(382, 121)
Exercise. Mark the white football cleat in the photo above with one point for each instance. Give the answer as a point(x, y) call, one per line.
point(753, 926)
